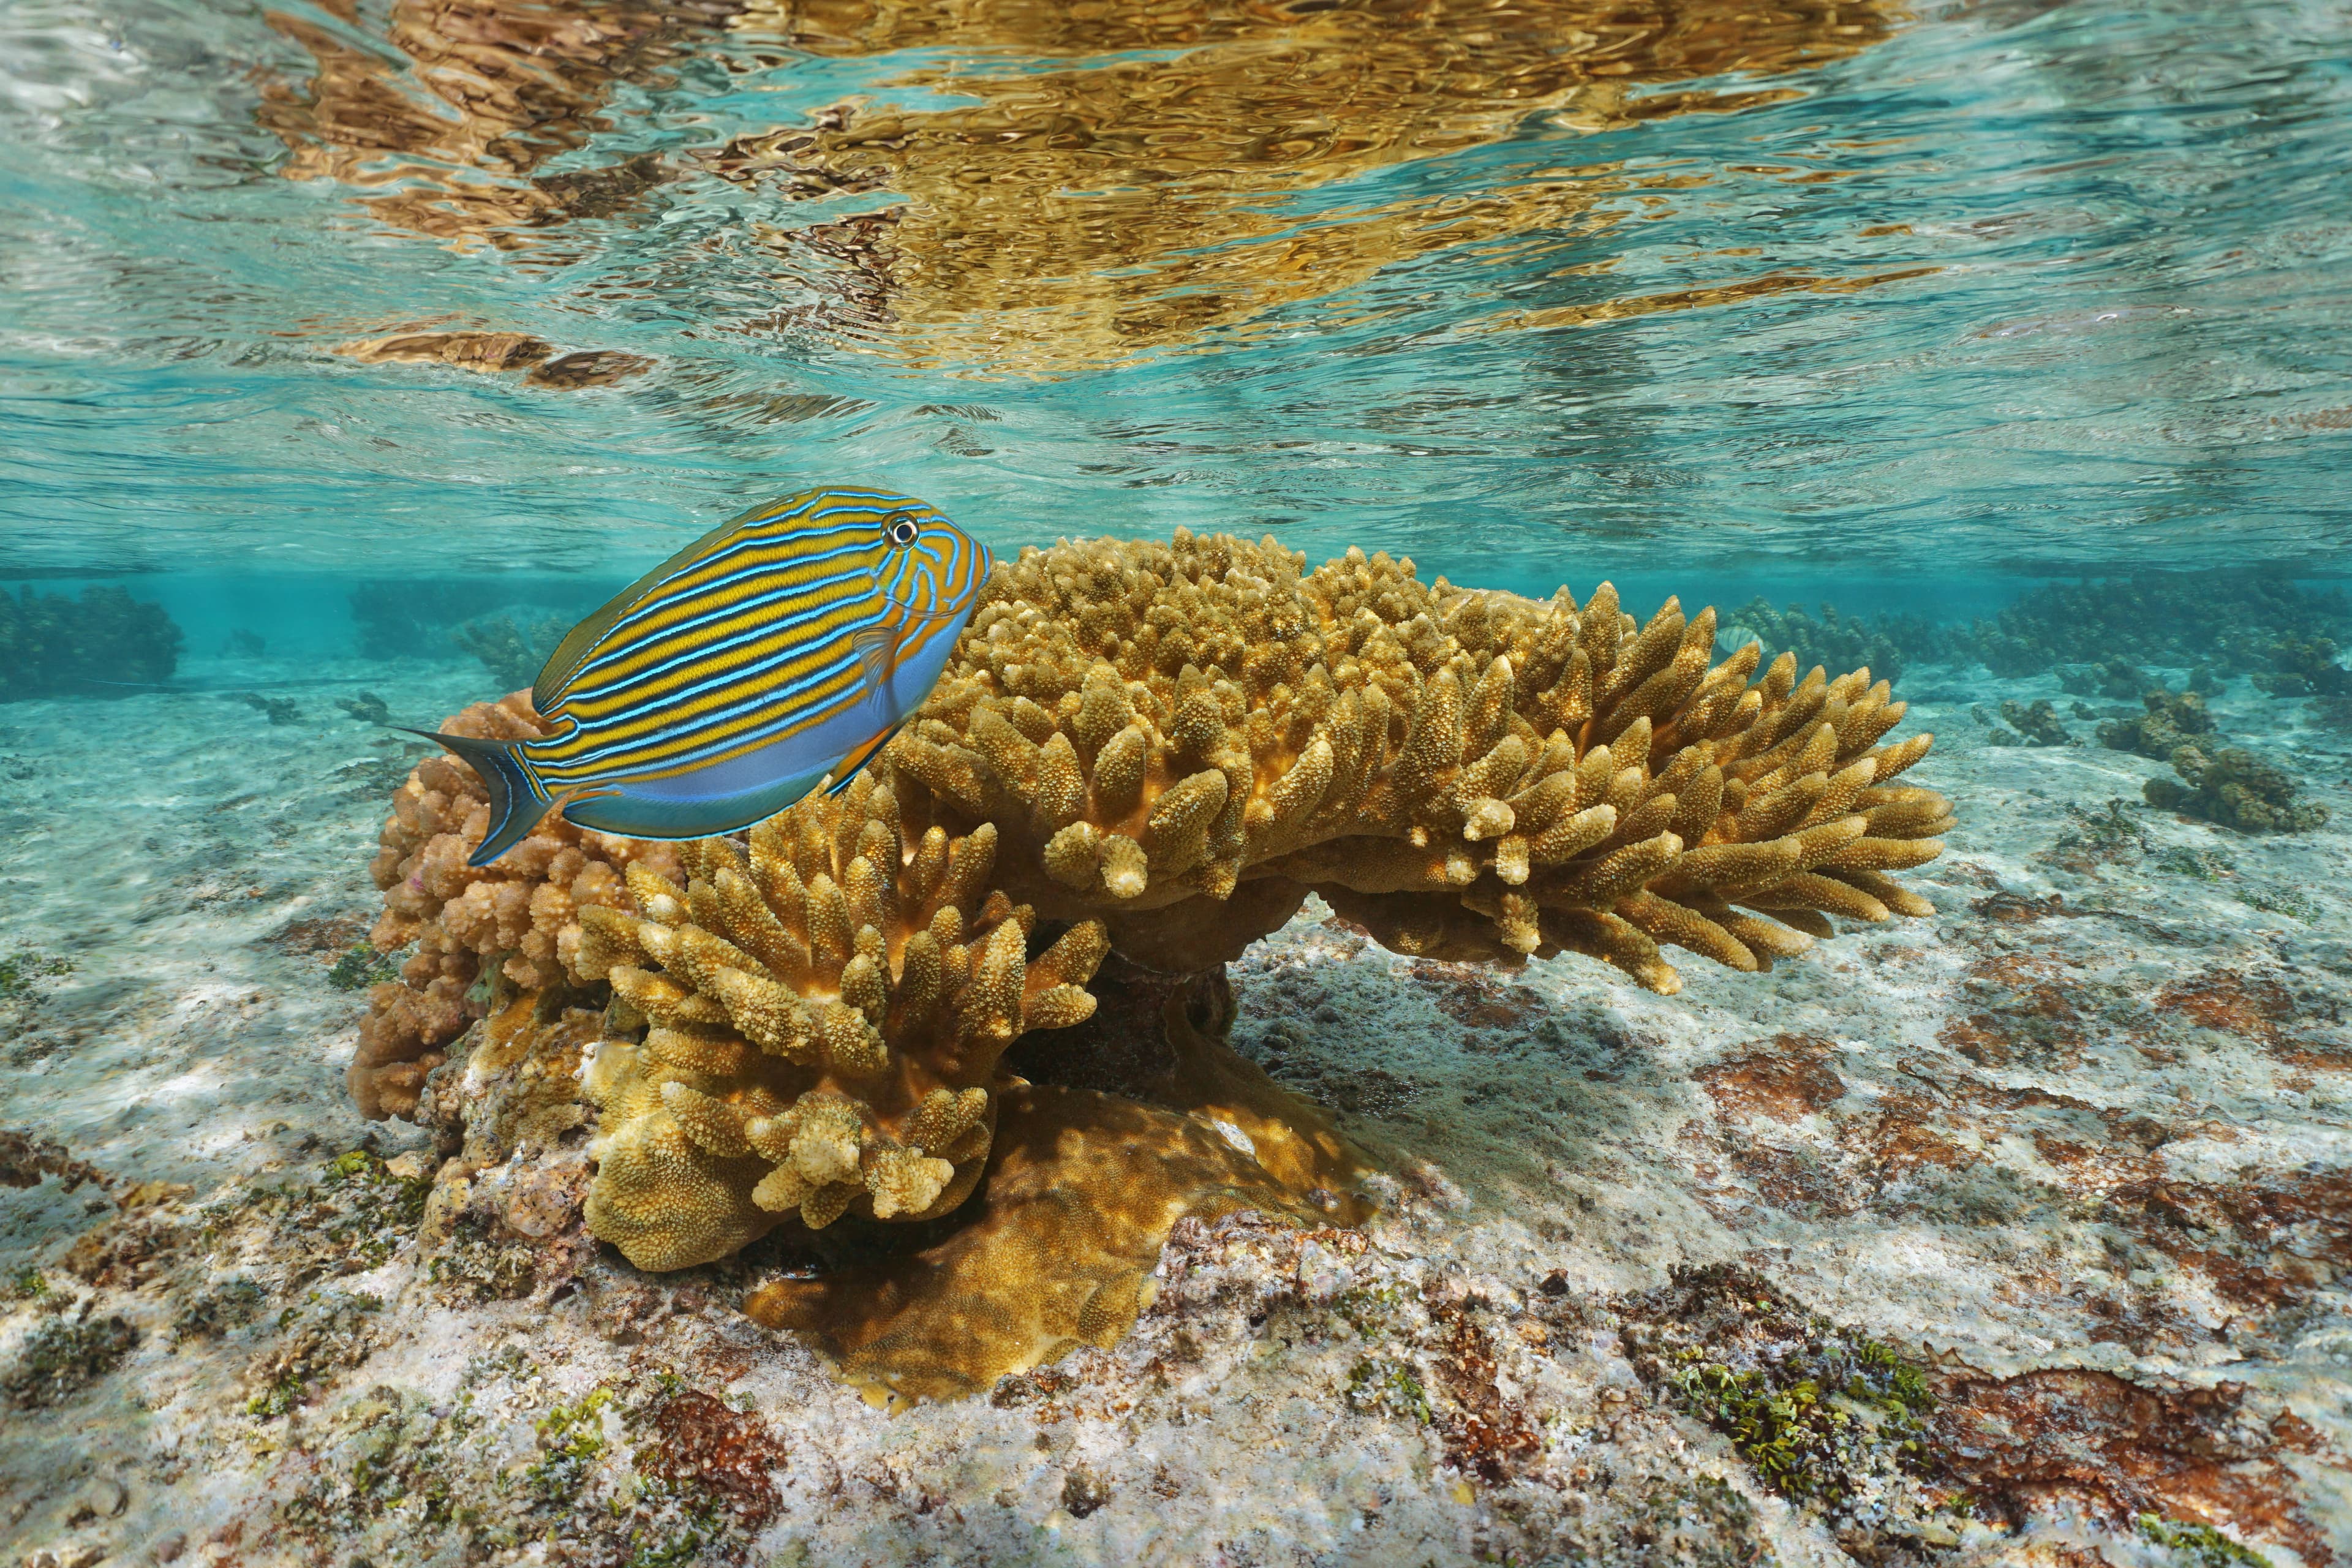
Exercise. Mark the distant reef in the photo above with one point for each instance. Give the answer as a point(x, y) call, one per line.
point(2246, 624)
point(54, 645)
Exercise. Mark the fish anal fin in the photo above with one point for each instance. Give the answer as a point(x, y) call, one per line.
point(853, 762)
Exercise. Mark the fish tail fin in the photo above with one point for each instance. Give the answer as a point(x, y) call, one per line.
point(517, 799)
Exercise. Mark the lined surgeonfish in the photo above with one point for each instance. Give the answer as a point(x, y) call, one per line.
point(733, 678)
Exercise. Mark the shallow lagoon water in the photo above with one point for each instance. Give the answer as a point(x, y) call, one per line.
point(330, 329)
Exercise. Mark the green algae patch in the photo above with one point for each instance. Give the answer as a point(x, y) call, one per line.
point(361, 966)
point(1825, 1415)
point(1380, 1383)
point(61, 1358)
point(2200, 1545)
point(570, 1437)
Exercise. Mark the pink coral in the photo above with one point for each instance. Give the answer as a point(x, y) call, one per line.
point(520, 915)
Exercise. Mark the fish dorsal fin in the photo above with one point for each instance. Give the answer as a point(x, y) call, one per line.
point(878, 659)
point(565, 661)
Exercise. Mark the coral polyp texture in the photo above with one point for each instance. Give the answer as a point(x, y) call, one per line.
point(1184, 739)
point(522, 912)
point(824, 1013)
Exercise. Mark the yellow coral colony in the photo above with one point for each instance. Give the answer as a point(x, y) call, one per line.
point(825, 1016)
point(1184, 739)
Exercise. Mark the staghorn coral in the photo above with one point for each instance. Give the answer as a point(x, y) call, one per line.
point(518, 918)
point(2234, 788)
point(1184, 738)
point(98, 645)
point(826, 1012)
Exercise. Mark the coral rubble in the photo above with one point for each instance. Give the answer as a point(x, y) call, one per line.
point(1183, 740)
point(51, 645)
point(523, 911)
point(825, 1014)
point(2037, 725)
point(2233, 788)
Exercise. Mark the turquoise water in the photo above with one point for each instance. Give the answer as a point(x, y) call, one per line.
point(1904, 313)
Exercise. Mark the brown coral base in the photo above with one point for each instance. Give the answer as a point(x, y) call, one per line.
point(1080, 1194)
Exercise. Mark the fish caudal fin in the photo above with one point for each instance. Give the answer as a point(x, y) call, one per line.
point(517, 802)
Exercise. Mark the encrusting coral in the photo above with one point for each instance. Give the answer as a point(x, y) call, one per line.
point(825, 1014)
point(522, 912)
point(1082, 1192)
point(1185, 739)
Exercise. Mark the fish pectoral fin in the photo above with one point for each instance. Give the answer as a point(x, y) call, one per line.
point(878, 657)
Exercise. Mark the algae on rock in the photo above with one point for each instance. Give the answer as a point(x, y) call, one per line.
point(2233, 788)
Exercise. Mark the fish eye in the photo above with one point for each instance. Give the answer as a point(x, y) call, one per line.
point(903, 530)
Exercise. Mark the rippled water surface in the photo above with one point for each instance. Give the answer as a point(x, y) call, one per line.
point(1530, 288)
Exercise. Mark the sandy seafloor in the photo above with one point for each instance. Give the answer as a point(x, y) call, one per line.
point(2089, 1159)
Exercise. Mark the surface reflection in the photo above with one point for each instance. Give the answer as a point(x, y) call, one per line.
point(1123, 179)
point(449, 127)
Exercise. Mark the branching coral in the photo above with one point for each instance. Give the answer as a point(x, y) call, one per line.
point(50, 644)
point(2234, 788)
point(1184, 739)
point(1156, 749)
point(522, 912)
point(826, 1013)
point(2253, 621)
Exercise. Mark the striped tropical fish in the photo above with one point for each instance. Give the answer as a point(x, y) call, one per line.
point(733, 678)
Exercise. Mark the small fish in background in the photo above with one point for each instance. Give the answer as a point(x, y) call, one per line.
point(725, 684)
